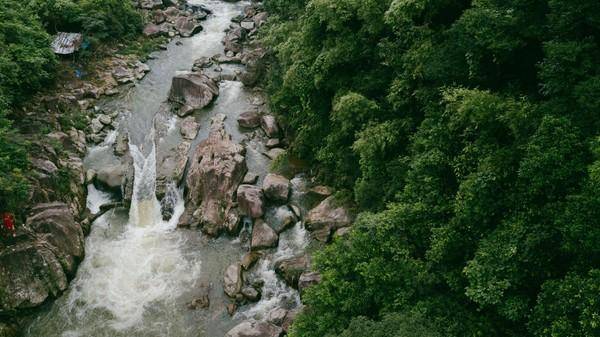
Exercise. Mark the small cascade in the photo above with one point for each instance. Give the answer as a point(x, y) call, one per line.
point(97, 198)
point(145, 208)
point(275, 292)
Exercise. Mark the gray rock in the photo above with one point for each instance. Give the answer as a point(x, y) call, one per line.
point(151, 4)
point(255, 329)
point(171, 167)
point(250, 201)
point(290, 269)
point(250, 178)
point(273, 142)
point(187, 26)
point(249, 119)
point(263, 236)
point(274, 153)
point(277, 316)
point(112, 177)
point(280, 218)
point(44, 166)
point(328, 216)
point(192, 91)
point(248, 25)
point(189, 128)
point(37, 268)
point(232, 281)
point(269, 125)
point(251, 294)
point(96, 125)
point(249, 259)
point(276, 187)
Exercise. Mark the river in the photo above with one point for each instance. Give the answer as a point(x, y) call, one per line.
point(140, 272)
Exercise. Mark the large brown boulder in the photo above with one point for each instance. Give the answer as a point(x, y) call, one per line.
point(192, 91)
point(255, 329)
point(276, 187)
point(171, 167)
point(38, 266)
point(187, 26)
point(216, 169)
point(263, 236)
point(328, 216)
point(251, 201)
point(290, 269)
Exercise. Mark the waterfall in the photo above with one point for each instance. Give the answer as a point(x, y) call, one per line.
point(145, 208)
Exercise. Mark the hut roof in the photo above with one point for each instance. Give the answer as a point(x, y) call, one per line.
point(66, 43)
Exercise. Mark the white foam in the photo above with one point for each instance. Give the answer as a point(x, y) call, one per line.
point(97, 198)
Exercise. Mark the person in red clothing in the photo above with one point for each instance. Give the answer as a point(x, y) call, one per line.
point(8, 220)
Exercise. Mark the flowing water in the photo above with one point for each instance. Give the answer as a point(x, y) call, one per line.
point(140, 272)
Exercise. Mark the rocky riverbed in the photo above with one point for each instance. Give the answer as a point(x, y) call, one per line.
point(190, 234)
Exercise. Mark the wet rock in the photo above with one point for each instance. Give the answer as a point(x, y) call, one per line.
point(37, 267)
point(250, 178)
point(112, 177)
point(255, 329)
point(202, 62)
point(249, 119)
point(255, 67)
point(202, 301)
point(328, 216)
point(233, 222)
point(189, 128)
point(269, 125)
point(232, 281)
point(187, 26)
point(251, 294)
point(231, 308)
point(276, 187)
point(290, 269)
point(308, 279)
point(121, 145)
point(192, 91)
point(280, 218)
point(251, 201)
point(96, 125)
point(289, 319)
point(171, 167)
point(249, 259)
point(277, 316)
point(216, 169)
point(263, 236)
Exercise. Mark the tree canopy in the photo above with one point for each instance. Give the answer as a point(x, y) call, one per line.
point(468, 132)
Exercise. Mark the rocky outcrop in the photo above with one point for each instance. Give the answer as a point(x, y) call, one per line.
point(171, 167)
point(280, 218)
point(216, 169)
point(39, 264)
point(290, 269)
point(328, 216)
point(189, 128)
point(233, 281)
point(263, 236)
point(269, 125)
point(255, 329)
point(249, 119)
point(276, 187)
point(192, 91)
point(187, 26)
point(251, 201)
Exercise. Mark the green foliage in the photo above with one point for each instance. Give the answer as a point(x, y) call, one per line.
point(27, 63)
point(469, 133)
point(14, 187)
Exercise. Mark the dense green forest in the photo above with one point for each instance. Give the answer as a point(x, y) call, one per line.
point(28, 65)
point(468, 134)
